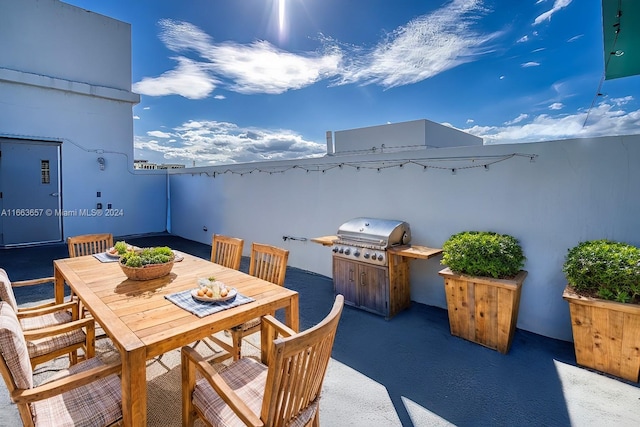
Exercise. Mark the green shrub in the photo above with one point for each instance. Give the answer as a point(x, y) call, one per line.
point(483, 253)
point(147, 256)
point(605, 269)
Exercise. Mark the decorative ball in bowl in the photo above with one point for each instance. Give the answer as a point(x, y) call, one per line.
point(210, 289)
point(147, 263)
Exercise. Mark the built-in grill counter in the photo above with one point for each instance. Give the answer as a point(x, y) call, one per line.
point(371, 263)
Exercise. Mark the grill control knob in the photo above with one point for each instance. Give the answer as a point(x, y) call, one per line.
point(373, 256)
point(335, 249)
point(356, 253)
point(341, 250)
point(366, 255)
point(347, 251)
point(380, 257)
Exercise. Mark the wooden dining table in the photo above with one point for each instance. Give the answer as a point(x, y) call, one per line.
point(143, 324)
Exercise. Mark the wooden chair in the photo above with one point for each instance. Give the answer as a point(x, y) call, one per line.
point(87, 394)
point(268, 263)
point(283, 390)
point(89, 244)
point(40, 323)
point(226, 251)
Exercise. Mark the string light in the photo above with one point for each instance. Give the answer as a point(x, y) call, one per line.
point(425, 163)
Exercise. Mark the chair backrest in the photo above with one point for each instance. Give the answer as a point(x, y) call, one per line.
point(268, 263)
point(89, 244)
point(6, 290)
point(297, 367)
point(226, 251)
point(14, 361)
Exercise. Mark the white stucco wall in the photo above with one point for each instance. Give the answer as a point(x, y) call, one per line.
point(572, 191)
point(65, 75)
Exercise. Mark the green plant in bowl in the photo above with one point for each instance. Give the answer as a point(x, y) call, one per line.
point(147, 256)
point(483, 253)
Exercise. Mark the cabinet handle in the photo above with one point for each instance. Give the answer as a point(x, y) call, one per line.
point(350, 275)
point(362, 279)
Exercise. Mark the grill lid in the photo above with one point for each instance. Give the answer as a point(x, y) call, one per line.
point(382, 233)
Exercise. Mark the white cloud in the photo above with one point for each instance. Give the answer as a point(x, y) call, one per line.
point(522, 39)
point(159, 134)
point(621, 101)
point(189, 79)
point(425, 47)
point(530, 64)
point(518, 119)
point(428, 45)
point(260, 67)
point(136, 117)
point(211, 142)
point(220, 97)
point(574, 38)
point(603, 120)
point(557, 5)
point(556, 106)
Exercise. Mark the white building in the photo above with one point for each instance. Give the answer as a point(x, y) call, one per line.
point(65, 82)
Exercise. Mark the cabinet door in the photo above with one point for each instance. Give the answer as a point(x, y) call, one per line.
point(373, 288)
point(344, 280)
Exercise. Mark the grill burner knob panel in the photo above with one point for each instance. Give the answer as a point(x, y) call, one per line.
point(374, 256)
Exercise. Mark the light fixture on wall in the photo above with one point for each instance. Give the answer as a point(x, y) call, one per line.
point(101, 162)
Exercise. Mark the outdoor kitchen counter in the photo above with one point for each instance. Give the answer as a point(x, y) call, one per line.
point(409, 251)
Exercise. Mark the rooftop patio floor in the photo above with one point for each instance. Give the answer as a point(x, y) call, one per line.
point(410, 371)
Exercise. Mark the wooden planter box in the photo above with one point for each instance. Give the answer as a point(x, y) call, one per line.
point(606, 335)
point(482, 309)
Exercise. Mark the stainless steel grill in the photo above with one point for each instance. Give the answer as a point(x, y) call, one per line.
point(367, 239)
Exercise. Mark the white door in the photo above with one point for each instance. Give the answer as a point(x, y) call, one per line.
point(29, 192)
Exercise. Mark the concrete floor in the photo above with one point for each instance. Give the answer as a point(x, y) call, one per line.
point(410, 371)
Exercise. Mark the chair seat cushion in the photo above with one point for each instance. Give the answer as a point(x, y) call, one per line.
point(45, 320)
point(96, 404)
point(13, 348)
point(6, 291)
point(247, 378)
point(48, 345)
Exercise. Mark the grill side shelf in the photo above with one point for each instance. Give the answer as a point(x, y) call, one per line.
point(414, 251)
point(325, 240)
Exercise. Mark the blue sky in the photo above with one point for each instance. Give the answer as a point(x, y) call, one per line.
point(234, 81)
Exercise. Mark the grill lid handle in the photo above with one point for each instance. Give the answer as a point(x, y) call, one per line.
point(405, 238)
